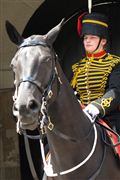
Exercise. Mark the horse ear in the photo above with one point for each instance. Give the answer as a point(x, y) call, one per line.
point(53, 33)
point(13, 34)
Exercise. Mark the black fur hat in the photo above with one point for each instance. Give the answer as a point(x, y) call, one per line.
point(95, 24)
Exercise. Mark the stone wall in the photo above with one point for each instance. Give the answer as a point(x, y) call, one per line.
point(18, 12)
point(9, 149)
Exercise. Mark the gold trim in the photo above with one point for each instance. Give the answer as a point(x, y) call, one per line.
point(96, 22)
point(95, 78)
point(106, 102)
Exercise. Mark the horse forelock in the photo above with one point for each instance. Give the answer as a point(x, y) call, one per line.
point(34, 40)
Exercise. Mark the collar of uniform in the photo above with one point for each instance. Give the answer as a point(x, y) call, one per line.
point(97, 55)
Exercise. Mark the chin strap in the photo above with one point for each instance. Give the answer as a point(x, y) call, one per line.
point(98, 45)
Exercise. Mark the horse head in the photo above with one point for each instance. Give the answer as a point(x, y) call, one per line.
point(34, 70)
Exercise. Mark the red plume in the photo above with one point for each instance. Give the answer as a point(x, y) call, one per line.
point(79, 23)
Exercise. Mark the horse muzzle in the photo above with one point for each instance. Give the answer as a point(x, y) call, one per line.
point(27, 114)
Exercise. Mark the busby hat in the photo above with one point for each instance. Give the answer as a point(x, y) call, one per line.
point(95, 24)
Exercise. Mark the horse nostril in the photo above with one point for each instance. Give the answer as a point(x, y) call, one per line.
point(15, 110)
point(33, 105)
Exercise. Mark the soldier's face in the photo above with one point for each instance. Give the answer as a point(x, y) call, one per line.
point(91, 43)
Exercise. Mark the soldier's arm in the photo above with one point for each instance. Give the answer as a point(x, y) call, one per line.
point(111, 99)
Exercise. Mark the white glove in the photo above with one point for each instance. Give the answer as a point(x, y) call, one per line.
point(92, 111)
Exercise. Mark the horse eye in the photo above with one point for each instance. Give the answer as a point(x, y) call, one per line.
point(46, 59)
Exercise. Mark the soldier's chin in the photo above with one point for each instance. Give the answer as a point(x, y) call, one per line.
point(29, 126)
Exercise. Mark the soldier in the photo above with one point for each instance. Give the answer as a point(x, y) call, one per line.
point(96, 78)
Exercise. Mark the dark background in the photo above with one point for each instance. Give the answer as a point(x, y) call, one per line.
point(68, 47)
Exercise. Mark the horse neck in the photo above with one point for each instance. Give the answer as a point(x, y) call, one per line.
point(68, 118)
point(66, 111)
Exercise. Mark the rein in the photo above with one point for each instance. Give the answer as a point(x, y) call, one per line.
point(48, 167)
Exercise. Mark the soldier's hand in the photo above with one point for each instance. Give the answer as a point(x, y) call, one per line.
point(92, 111)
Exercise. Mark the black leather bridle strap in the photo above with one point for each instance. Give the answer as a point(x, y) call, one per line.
point(30, 80)
point(33, 43)
point(43, 90)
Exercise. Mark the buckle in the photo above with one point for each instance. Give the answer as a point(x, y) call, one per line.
point(43, 131)
point(50, 93)
point(50, 126)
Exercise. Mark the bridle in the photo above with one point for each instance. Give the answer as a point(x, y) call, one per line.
point(46, 122)
point(46, 95)
point(45, 91)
